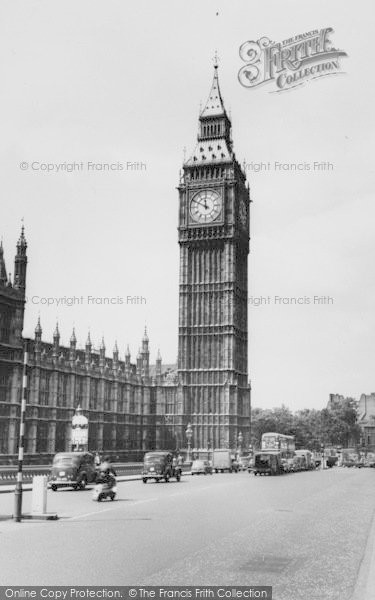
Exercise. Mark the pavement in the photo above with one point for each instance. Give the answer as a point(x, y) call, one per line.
point(27, 487)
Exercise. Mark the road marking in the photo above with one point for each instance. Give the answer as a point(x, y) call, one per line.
point(116, 507)
point(133, 503)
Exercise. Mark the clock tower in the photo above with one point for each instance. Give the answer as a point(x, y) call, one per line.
point(214, 202)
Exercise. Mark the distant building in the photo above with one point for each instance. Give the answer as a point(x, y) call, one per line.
point(337, 400)
point(366, 419)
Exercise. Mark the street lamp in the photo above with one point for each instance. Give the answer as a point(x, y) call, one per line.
point(189, 435)
point(18, 489)
point(322, 451)
point(240, 440)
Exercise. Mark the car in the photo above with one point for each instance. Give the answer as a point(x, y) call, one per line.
point(203, 467)
point(72, 469)
point(243, 463)
point(160, 466)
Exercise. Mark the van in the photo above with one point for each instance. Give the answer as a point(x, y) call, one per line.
point(72, 469)
point(267, 463)
point(224, 461)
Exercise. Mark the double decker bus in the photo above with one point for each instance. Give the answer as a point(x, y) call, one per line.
point(284, 444)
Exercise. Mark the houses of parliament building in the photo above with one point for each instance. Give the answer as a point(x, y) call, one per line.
point(136, 406)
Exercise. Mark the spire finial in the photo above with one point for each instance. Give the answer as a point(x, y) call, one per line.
point(216, 60)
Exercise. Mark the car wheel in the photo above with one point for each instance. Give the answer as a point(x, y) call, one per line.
point(83, 483)
point(144, 480)
point(112, 496)
point(166, 478)
point(54, 488)
point(178, 476)
point(100, 497)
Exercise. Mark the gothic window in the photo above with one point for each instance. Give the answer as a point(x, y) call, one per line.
point(61, 390)
point(107, 396)
point(42, 437)
point(93, 394)
point(4, 437)
point(4, 386)
point(44, 388)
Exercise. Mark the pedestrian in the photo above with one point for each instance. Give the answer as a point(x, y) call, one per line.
point(97, 459)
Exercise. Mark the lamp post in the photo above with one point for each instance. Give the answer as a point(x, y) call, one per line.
point(189, 435)
point(18, 490)
point(240, 440)
point(322, 451)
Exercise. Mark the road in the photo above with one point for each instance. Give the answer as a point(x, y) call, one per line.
point(304, 533)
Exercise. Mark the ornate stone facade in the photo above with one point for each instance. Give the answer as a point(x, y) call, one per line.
point(214, 224)
point(135, 407)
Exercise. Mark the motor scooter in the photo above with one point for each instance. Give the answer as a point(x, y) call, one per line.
point(105, 487)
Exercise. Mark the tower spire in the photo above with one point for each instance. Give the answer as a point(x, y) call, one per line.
point(214, 107)
point(20, 262)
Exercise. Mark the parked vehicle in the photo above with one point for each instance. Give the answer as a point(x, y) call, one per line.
point(243, 463)
point(201, 467)
point(278, 442)
point(299, 463)
point(72, 469)
point(224, 461)
point(160, 465)
point(267, 463)
point(308, 460)
point(105, 488)
point(285, 465)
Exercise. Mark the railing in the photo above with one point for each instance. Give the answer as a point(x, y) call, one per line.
point(8, 475)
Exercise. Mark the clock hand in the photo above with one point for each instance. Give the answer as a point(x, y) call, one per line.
point(201, 203)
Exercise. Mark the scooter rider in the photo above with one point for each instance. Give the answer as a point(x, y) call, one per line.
point(106, 471)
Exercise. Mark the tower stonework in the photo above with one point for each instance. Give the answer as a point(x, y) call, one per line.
point(214, 203)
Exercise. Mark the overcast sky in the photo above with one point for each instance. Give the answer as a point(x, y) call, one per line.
point(116, 81)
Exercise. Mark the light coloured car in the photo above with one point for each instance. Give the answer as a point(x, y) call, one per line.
point(199, 467)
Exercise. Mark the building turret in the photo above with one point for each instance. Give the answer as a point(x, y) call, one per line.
point(145, 341)
point(56, 342)
point(145, 355)
point(38, 340)
point(20, 263)
point(115, 358)
point(3, 271)
point(139, 363)
point(158, 365)
point(102, 354)
point(73, 346)
point(127, 362)
point(88, 349)
point(38, 331)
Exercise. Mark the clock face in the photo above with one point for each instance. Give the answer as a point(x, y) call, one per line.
point(243, 214)
point(205, 206)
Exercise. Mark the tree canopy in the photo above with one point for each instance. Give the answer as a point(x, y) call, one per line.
point(333, 426)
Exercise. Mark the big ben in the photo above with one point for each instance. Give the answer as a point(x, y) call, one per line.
point(214, 203)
